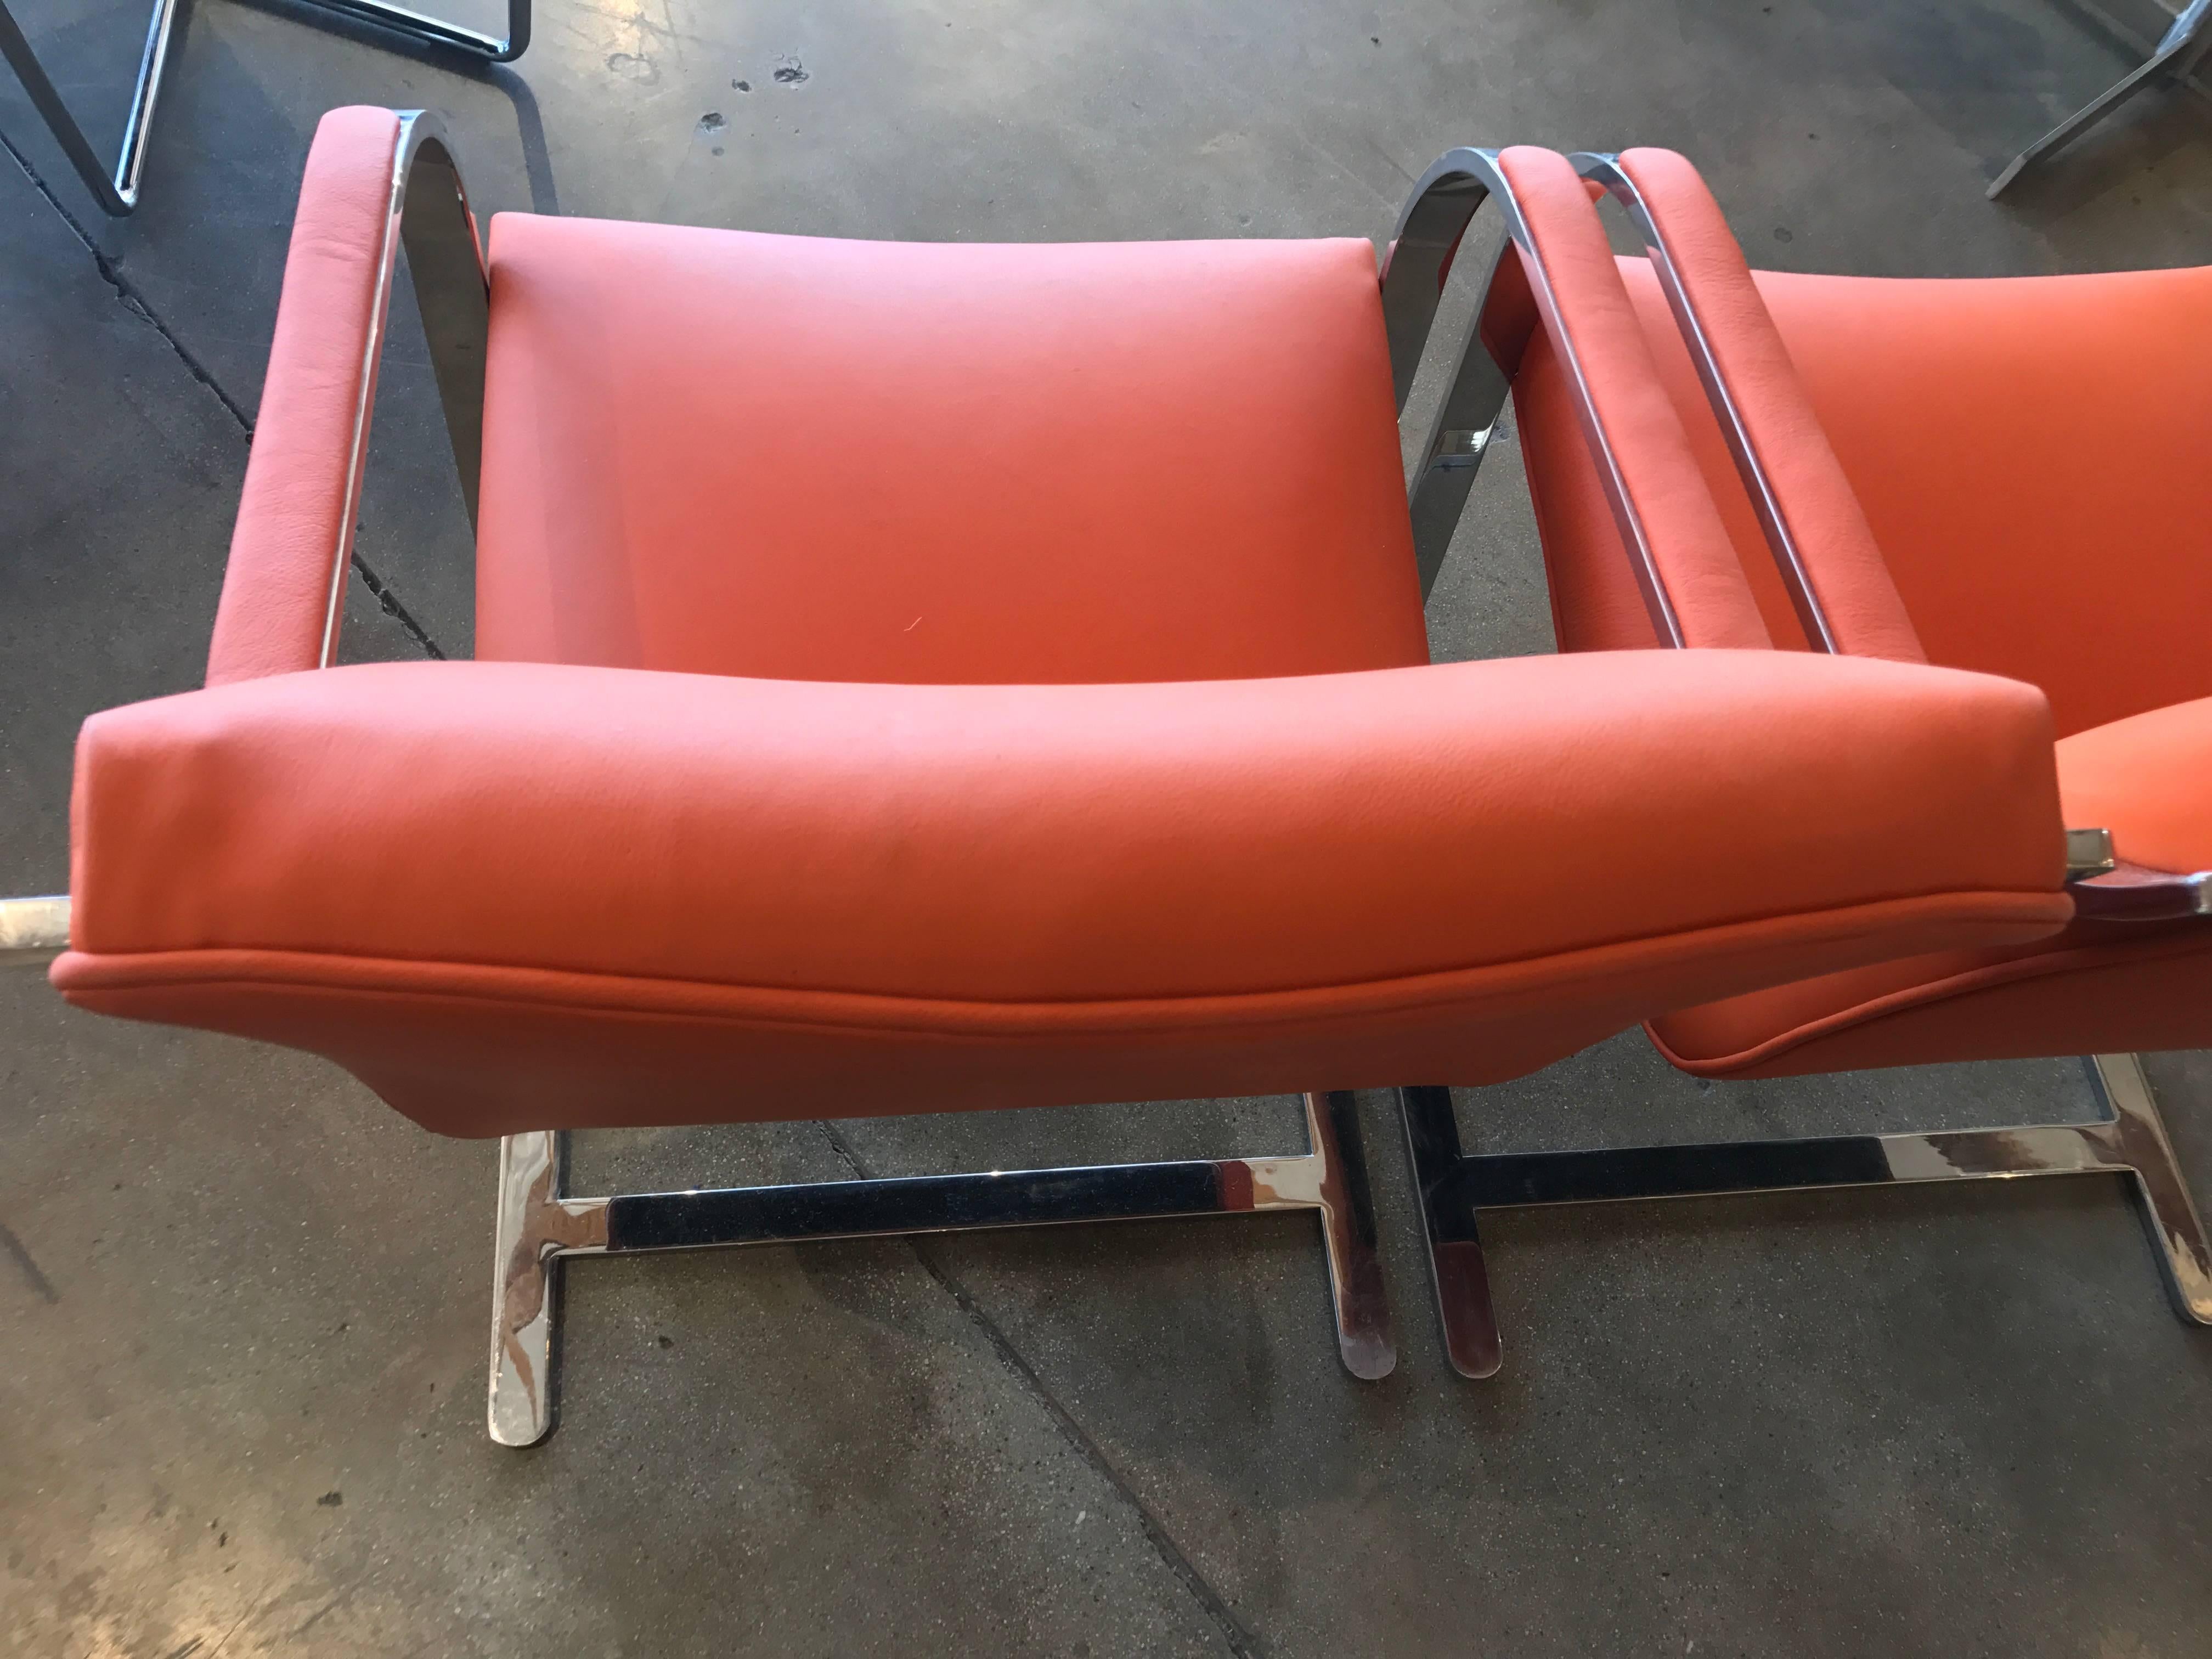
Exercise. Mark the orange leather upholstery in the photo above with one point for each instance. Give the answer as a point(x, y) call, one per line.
point(1841, 564)
point(721, 453)
point(2078, 568)
point(1695, 563)
point(2148, 780)
point(2076, 572)
point(516, 897)
point(2074, 568)
point(284, 550)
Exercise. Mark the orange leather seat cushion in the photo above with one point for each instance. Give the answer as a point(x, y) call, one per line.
point(521, 895)
point(785, 457)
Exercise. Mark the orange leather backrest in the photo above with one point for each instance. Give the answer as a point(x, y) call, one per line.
point(719, 452)
point(2029, 452)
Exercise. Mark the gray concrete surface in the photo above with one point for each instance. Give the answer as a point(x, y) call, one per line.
point(241, 1321)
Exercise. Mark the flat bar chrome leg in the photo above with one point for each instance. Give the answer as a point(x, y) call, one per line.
point(1339, 1171)
point(535, 1228)
point(1457, 1269)
point(2177, 1234)
point(538, 1226)
point(1456, 1187)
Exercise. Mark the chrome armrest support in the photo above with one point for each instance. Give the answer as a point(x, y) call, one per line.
point(2105, 888)
point(1605, 170)
point(2131, 892)
point(1427, 239)
point(2089, 853)
point(428, 215)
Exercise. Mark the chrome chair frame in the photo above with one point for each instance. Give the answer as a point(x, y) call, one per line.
point(1454, 1187)
point(539, 1225)
point(116, 192)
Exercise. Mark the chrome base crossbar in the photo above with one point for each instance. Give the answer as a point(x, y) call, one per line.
point(117, 193)
point(1455, 1188)
point(539, 1227)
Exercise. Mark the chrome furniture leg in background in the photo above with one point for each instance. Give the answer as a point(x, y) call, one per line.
point(540, 1227)
point(2175, 53)
point(1453, 1187)
point(117, 193)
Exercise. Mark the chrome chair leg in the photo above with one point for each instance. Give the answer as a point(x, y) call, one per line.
point(539, 1227)
point(2175, 43)
point(118, 193)
point(1454, 1187)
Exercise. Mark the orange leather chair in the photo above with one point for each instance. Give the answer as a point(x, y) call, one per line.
point(916, 678)
point(1881, 458)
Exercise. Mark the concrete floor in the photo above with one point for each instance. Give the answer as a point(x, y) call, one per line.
point(242, 1325)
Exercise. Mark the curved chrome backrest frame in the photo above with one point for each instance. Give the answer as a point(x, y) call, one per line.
point(1426, 241)
point(1605, 170)
point(452, 291)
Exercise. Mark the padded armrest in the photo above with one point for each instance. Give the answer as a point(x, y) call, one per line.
point(276, 587)
point(1653, 466)
point(1774, 417)
point(1367, 870)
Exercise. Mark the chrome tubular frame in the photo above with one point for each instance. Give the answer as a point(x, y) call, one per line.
point(118, 193)
point(2176, 54)
point(540, 1227)
point(1427, 239)
point(1455, 1187)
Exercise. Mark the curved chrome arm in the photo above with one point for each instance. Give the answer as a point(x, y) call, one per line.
point(1435, 218)
point(431, 218)
point(1773, 521)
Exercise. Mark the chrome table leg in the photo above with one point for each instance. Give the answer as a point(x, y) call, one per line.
point(2176, 43)
point(1454, 1187)
point(539, 1227)
point(117, 193)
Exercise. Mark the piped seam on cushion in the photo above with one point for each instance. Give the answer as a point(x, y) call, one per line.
point(2029, 915)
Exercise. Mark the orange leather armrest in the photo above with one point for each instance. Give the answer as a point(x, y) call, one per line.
point(276, 591)
point(1775, 424)
point(1602, 345)
point(1052, 844)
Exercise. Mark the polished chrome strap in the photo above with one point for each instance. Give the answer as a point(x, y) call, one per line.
point(427, 212)
point(1422, 250)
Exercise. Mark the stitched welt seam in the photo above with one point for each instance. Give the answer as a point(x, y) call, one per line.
point(560, 988)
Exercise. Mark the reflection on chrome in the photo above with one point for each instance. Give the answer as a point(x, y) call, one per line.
point(538, 1227)
point(1454, 1187)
